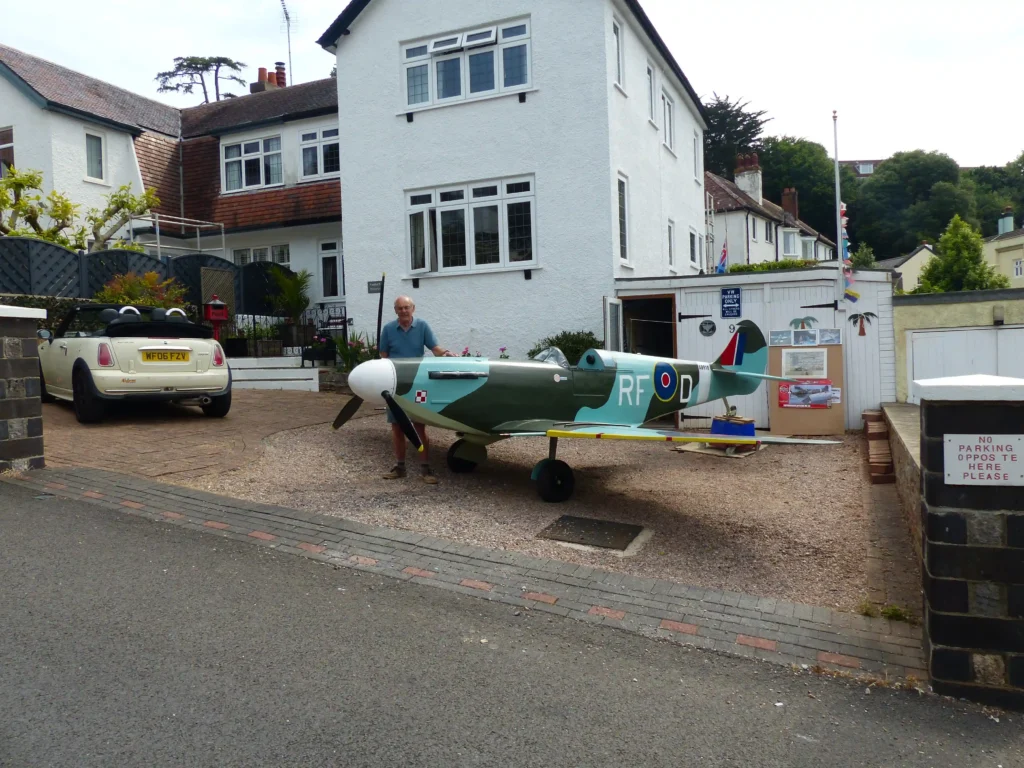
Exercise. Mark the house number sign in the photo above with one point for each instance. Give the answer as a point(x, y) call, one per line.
point(984, 459)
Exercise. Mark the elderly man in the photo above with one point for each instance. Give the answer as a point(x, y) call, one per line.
point(407, 337)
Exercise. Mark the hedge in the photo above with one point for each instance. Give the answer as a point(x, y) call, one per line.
point(769, 266)
point(56, 306)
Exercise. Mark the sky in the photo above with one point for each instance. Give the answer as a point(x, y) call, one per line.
point(938, 75)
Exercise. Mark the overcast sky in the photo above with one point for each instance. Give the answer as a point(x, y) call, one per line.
point(904, 74)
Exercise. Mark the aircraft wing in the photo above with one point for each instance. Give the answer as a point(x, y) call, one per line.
point(613, 432)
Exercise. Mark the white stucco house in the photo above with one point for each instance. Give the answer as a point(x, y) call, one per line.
point(506, 160)
point(752, 229)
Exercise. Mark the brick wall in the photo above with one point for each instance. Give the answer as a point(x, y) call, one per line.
point(21, 422)
point(159, 165)
point(908, 485)
point(974, 562)
point(299, 204)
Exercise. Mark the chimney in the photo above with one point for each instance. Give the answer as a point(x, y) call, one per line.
point(264, 81)
point(748, 175)
point(1006, 221)
point(279, 72)
point(789, 202)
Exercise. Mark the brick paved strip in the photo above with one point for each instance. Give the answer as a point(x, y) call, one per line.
point(838, 659)
point(757, 642)
point(600, 610)
point(747, 625)
point(418, 572)
point(678, 626)
point(132, 504)
point(540, 597)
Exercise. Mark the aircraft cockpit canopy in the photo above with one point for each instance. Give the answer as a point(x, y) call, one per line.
point(552, 355)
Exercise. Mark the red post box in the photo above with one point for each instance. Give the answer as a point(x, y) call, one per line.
point(216, 311)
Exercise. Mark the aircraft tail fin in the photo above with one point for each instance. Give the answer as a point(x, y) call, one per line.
point(746, 352)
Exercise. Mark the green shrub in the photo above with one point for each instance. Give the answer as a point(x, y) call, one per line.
point(572, 343)
point(359, 348)
point(769, 266)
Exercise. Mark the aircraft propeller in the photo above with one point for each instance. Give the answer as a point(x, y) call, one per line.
point(348, 411)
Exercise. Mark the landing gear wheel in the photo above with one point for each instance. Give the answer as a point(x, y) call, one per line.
point(555, 480)
point(45, 396)
point(88, 408)
point(457, 464)
point(218, 407)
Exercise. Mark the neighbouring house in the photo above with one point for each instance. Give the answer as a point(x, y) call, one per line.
point(752, 229)
point(908, 268)
point(863, 168)
point(506, 161)
point(250, 178)
point(1005, 250)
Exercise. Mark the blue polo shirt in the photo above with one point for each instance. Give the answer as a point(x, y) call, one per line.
point(396, 341)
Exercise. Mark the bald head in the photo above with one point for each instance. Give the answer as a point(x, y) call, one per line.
point(404, 307)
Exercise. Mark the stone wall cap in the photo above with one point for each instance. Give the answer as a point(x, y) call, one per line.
point(978, 386)
point(28, 313)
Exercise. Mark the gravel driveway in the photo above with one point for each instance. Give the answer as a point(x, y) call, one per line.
point(788, 522)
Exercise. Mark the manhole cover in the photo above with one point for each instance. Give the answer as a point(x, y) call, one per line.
point(594, 533)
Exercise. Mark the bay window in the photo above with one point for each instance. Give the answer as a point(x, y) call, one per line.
point(252, 164)
point(473, 63)
point(472, 227)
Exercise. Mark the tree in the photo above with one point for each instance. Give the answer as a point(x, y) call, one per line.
point(958, 264)
point(886, 214)
point(860, 318)
point(24, 212)
point(732, 130)
point(863, 257)
point(293, 292)
point(788, 161)
point(334, 71)
point(190, 71)
point(802, 322)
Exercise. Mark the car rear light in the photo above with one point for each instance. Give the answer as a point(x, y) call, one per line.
point(218, 355)
point(103, 356)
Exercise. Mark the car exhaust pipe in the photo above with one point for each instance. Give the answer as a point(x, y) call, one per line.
point(205, 400)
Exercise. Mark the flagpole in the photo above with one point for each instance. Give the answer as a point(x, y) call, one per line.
point(839, 225)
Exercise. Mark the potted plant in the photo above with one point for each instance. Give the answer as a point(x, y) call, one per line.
point(292, 300)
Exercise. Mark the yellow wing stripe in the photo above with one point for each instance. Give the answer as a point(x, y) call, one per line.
point(711, 439)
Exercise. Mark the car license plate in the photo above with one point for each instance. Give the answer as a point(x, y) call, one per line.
point(165, 357)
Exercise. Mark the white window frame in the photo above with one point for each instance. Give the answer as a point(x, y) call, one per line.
point(102, 179)
point(334, 253)
point(620, 58)
point(753, 229)
point(697, 156)
point(668, 119)
point(10, 146)
point(622, 211)
point(1018, 268)
point(806, 249)
point(693, 246)
point(320, 142)
point(262, 155)
point(496, 43)
point(428, 212)
point(671, 245)
point(791, 233)
point(652, 98)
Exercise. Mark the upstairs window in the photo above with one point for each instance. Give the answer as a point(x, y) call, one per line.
point(693, 246)
point(6, 150)
point(650, 92)
point(278, 254)
point(95, 157)
point(320, 154)
point(807, 247)
point(1018, 268)
point(789, 243)
point(668, 110)
point(671, 244)
point(252, 164)
point(769, 232)
point(474, 227)
point(617, 34)
point(473, 63)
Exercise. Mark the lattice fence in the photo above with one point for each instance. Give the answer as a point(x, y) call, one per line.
point(222, 283)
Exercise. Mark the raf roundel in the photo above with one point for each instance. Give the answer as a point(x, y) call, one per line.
point(665, 381)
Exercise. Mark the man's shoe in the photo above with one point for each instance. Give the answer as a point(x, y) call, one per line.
point(395, 473)
point(428, 476)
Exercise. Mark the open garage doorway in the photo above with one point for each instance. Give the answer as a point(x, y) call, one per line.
point(649, 326)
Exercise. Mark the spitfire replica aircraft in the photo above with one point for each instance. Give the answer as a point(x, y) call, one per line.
point(608, 395)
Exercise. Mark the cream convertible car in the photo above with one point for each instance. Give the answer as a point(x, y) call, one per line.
point(102, 353)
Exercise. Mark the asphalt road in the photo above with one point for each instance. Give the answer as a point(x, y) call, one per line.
point(125, 642)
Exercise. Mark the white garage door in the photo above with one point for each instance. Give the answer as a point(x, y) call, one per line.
point(961, 352)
